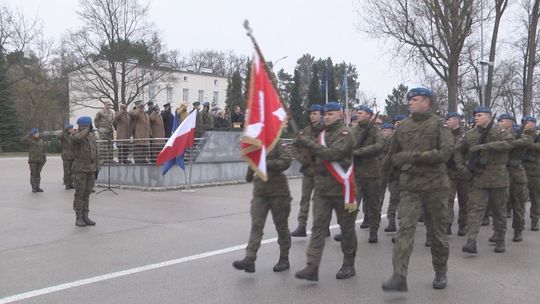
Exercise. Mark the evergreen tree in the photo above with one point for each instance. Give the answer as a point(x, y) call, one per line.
point(314, 92)
point(396, 103)
point(295, 101)
point(234, 92)
point(9, 124)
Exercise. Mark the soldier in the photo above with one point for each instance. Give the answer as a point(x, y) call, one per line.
point(104, 124)
point(84, 169)
point(459, 181)
point(420, 147)
point(207, 117)
point(123, 133)
point(36, 157)
point(274, 196)
point(532, 168)
point(67, 154)
point(307, 160)
point(158, 133)
point(486, 151)
point(334, 190)
point(141, 124)
point(199, 123)
point(518, 177)
point(168, 119)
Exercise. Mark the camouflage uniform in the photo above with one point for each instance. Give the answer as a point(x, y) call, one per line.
point(67, 157)
point(36, 159)
point(367, 169)
point(459, 184)
point(84, 168)
point(420, 147)
point(532, 167)
point(490, 181)
point(103, 121)
point(390, 177)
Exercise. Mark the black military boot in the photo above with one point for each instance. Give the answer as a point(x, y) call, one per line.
point(493, 238)
point(310, 273)
point(69, 186)
point(38, 181)
point(395, 283)
point(79, 220)
point(346, 271)
point(427, 243)
point(518, 237)
point(87, 220)
point(462, 230)
point(499, 247)
point(449, 230)
point(440, 281)
point(391, 225)
point(338, 237)
point(373, 238)
point(33, 184)
point(365, 222)
point(534, 225)
point(282, 264)
point(485, 221)
point(470, 247)
point(246, 264)
point(299, 232)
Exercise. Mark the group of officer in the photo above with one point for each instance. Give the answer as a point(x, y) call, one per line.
point(424, 161)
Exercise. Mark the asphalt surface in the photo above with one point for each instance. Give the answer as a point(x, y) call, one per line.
point(177, 247)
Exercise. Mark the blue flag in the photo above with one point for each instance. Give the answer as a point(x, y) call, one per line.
point(179, 160)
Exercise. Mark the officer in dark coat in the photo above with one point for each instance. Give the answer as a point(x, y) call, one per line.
point(168, 119)
point(36, 157)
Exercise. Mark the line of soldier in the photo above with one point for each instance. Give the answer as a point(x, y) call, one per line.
point(424, 162)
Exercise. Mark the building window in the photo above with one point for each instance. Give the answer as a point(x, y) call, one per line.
point(169, 94)
point(215, 98)
point(151, 92)
point(185, 94)
point(201, 95)
point(215, 82)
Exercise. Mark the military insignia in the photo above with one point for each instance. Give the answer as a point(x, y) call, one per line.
point(345, 132)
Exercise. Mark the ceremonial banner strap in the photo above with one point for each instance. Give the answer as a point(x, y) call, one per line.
point(345, 178)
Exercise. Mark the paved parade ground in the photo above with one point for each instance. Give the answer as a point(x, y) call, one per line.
point(177, 247)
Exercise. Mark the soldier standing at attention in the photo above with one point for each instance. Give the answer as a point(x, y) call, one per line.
point(272, 195)
point(168, 119)
point(334, 190)
point(307, 159)
point(420, 148)
point(486, 150)
point(104, 123)
point(36, 157)
point(532, 167)
point(84, 169)
point(123, 133)
point(459, 180)
point(67, 154)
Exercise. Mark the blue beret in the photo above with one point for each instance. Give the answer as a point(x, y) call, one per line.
point(399, 117)
point(34, 131)
point(528, 118)
point(206, 104)
point(419, 92)
point(331, 106)
point(84, 121)
point(387, 125)
point(452, 114)
point(68, 126)
point(315, 107)
point(482, 109)
point(506, 116)
point(365, 109)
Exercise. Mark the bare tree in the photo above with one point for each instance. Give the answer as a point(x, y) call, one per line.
point(500, 7)
point(529, 58)
point(424, 31)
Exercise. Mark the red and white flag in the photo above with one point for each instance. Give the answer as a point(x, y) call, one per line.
point(265, 119)
point(180, 140)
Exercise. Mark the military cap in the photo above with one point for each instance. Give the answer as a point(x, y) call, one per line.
point(365, 109)
point(68, 126)
point(84, 121)
point(168, 104)
point(528, 118)
point(34, 131)
point(451, 115)
point(196, 103)
point(315, 107)
point(482, 109)
point(206, 104)
point(387, 125)
point(399, 117)
point(331, 106)
point(419, 92)
point(506, 116)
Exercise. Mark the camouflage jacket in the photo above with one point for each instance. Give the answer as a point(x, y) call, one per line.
point(420, 148)
point(85, 151)
point(103, 121)
point(453, 171)
point(65, 139)
point(277, 161)
point(304, 156)
point(515, 167)
point(366, 156)
point(491, 170)
point(531, 159)
point(36, 149)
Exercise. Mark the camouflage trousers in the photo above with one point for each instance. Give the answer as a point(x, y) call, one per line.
point(435, 208)
point(307, 189)
point(68, 180)
point(280, 206)
point(35, 174)
point(83, 183)
point(534, 196)
point(368, 191)
point(461, 188)
point(393, 188)
point(518, 198)
point(479, 199)
point(322, 214)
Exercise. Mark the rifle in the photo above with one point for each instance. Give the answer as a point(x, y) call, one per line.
point(474, 162)
point(362, 138)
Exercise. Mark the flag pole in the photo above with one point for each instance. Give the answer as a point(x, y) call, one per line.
point(249, 33)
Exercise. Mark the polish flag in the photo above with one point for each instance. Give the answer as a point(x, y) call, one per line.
point(180, 140)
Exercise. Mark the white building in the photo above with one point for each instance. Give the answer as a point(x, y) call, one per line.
point(178, 86)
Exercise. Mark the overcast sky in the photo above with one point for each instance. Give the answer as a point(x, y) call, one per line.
point(322, 28)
